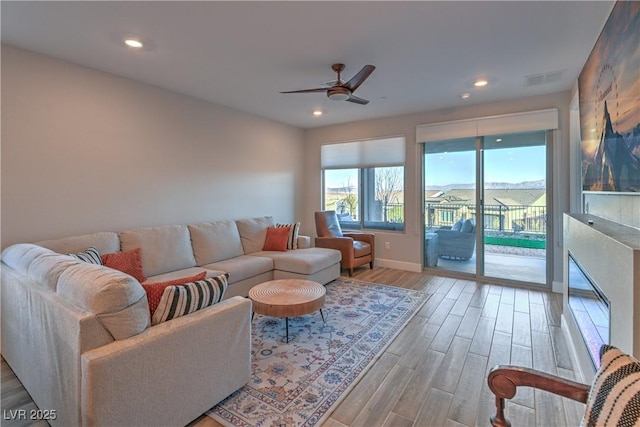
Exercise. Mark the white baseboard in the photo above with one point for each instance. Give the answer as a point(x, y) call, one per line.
point(398, 265)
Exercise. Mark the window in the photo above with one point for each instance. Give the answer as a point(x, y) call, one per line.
point(364, 183)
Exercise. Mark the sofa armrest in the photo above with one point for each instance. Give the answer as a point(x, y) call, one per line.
point(304, 242)
point(172, 372)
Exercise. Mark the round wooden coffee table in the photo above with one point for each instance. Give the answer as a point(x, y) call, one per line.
point(287, 298)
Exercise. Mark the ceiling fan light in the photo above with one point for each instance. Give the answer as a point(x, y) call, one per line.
point(338, 96)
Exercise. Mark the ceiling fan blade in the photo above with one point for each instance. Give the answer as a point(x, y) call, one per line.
point(320, 89)
point(357, 100)
point(362, 75)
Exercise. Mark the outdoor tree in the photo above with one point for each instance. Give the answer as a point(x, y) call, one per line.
point(350, 199)
point(389, 186)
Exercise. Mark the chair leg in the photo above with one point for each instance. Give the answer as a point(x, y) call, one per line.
point(350, 272)
point(371, 265)
point(499, 420)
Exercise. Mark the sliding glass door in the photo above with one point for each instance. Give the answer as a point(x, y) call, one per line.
point(450, 203)
point(485, 210)
point(514, 206)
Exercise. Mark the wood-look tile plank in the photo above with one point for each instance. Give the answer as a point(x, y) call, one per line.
point(358, 397)
point(521, 302)
point(467, 328)
point(461, 305)
point(416, 354)
point(445, 334)
point(415, 393)
point(451, 367)
point(379, 406)
point(491, 306)
point(438, 317)
point(479, 296)
point(521, 356)
point(504, 320)
point(538, 318)
point(521, 329)
point(500, 350)
point(407, 338)
point(508, 296)
point(431, 305)
point(465, 400)
point(573, 410)
point(560, 348)
point(435, 409)
point(395, 420)
point(481, 343)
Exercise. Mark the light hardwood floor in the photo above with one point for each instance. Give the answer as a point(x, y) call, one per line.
point(434, 373)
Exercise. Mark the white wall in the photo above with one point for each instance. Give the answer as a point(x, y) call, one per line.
point(406, 247)
point(85, 151)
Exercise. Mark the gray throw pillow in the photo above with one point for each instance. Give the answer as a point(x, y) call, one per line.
point(467, 227)
point(457, 226)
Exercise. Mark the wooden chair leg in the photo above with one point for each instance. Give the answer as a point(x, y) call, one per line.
point(350, 272)
point(371, 265)
point(498, 420)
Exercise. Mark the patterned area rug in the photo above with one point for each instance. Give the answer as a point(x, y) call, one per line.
point(300, 383)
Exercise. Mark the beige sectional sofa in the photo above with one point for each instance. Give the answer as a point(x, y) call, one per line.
point(78, 336)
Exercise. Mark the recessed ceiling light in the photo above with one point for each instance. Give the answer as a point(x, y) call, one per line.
point(317, 113)
point(480, 83)
point(465, 96)
point(134, 43)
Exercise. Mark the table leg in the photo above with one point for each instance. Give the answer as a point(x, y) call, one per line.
point(252, 315)
point(323, 321)
point(287, 326)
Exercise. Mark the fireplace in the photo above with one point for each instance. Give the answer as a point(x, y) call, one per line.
point(590, 309)
point(601, 289)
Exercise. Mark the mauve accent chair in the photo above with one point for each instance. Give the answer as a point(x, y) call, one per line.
point(357, 248)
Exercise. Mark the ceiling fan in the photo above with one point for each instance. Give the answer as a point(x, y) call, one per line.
point(340, 90)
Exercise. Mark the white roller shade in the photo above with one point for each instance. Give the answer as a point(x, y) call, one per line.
point(507, 123)
point(364, 154)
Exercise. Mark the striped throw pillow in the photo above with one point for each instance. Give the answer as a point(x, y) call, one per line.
point(90, 256)
point(180, 300)
point(614, 398)
point(294, 229)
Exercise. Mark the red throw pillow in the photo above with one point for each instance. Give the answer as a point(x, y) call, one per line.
point(129, 262)
point(277, 238)
point(154, 290)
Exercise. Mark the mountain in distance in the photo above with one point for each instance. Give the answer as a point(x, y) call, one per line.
point(525, 185)
point(616, 164)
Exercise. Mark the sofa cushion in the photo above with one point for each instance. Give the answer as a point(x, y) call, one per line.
point(294, 231)
point(166, 248)
point(243, 267)
point(117, 299)
point(276, 239)
point(215, 241)
point(129, 262)
point(156, 289)
point(104, 242)
point(303, 261)
point(90, 256)
point(457, 226)
point(253, 232)
point(180, 300)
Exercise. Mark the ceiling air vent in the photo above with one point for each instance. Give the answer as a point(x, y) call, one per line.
point(543, 78)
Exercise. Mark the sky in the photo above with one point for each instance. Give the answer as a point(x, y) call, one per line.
point(512, 165)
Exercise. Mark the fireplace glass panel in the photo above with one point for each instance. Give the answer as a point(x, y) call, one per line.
point(590, 310)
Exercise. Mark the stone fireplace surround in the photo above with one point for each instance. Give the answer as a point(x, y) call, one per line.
point(610, 254)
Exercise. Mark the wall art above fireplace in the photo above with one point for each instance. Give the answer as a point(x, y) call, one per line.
point(609, 100)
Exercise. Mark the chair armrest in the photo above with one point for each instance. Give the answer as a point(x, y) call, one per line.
point(361, 237)
point(340, 243)
point(503, 380)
